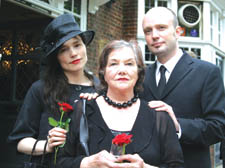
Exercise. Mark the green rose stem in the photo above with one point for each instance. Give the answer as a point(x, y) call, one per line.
point(60, 121)
point(123, 152)
point(60, 125)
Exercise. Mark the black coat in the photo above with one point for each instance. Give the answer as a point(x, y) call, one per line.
point(195, 90)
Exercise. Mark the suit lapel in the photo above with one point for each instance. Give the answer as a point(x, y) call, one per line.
point(151, 80)
point(181, 69)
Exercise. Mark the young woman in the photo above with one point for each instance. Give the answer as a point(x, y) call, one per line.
point(65, 77)
point(119, 110)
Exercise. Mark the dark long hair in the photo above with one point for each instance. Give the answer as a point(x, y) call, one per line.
point(56, 86)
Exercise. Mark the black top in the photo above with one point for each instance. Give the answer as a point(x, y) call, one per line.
point(154, 138)
point(32, 120)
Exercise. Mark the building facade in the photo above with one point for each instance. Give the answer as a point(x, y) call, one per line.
point(22, 23)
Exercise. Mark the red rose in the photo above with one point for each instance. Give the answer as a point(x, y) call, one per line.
point(122, 139)
point(65, 107)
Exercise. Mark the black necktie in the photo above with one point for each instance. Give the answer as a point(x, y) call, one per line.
point(162, 81)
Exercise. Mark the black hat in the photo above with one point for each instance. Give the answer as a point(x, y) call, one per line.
point(61, 29)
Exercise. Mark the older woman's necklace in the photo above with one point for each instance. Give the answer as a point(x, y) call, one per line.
point(120, 105)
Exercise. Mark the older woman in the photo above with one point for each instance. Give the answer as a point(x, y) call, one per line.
point(65, 77)
point(119, 110)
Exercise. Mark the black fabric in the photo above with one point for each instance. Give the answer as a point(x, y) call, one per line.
point(195, 90)
point(154, 138)
point(32, 120)
point(33, 165)
point(162, 81)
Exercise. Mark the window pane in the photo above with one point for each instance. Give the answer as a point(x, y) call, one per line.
point(162, 3)
point(148, 55)
point(27, 70)
point(220, 63)
point(26, 42)
point(73, 6)
point(211, 25)
point(148, 4)
point(5, 80)
point(197, 52)
point(6, 43)
point(184, 48)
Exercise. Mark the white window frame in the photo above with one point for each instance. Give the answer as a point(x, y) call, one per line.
point(191, 48)
point(220, 62)
point(54, 9)
point(217, 161)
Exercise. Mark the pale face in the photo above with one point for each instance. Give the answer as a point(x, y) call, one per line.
point(121, 71)
point(160, 34)
point(72, 55)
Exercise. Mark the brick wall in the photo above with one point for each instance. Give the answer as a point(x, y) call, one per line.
point(130, 19)
point(110, 22)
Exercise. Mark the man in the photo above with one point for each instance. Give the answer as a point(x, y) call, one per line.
point(194, 88)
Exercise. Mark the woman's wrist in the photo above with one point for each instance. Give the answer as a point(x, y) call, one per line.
point(48, 148)
point(84, 162)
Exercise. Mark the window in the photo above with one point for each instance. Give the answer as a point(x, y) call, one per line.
point(219, 31)
point(217, 160)
point(19, 66)
point(149, 57)
point(73, 7)
point(220, 63)
point(216, 27)
point(197, 52)
point(194, 52)
point(151, 3)
point(211, 25)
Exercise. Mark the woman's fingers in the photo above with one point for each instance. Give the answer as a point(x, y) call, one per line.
point(57, 132)
point(160, 106)
point(56, 136)
point(89, 96)
point(128, 161)
point(102, 159)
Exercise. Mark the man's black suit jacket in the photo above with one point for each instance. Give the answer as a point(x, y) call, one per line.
point(195, 90)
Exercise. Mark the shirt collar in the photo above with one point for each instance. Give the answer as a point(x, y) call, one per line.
point(171, 63)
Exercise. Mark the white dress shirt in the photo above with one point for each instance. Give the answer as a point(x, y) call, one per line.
point(169, 65)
